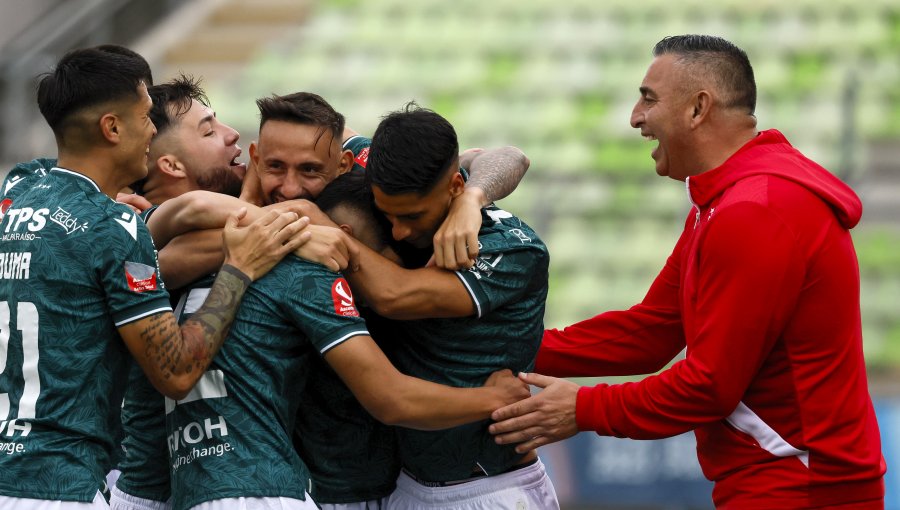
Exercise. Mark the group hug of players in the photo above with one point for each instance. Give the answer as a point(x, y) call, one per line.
point(318, 360)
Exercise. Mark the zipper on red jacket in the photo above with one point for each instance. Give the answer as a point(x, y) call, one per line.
point(687, 187)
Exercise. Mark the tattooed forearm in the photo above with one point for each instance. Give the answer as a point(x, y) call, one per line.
point(497, 172)
point(205, 331)
point(190, 350)
point(161, 338)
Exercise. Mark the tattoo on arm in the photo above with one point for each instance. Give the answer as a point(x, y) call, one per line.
point(200, 337)
point(497, 173)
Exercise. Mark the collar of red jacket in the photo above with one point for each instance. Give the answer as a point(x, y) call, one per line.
point(770, 153)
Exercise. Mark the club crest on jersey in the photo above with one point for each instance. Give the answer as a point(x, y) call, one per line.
point(343, 298)
point(362, 159)
point(140, 277)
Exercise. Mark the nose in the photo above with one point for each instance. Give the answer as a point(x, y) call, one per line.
point(399, 231)
point(291, 187)
point(637, 115)
point(231, 135)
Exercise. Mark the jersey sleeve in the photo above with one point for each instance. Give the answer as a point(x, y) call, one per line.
point(323, 308)
point(129, 270)
point(359, 146)
point(502, 274)
point(19, 178)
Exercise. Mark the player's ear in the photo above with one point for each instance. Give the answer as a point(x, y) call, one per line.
point(346, 162)
point(347, 229)
point(254, 152)
point(169, 164)
point(457, 184)
point(109, 127)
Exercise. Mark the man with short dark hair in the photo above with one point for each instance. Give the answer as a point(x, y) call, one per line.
point(461, 325)
point(762, 289)
point(82, 275)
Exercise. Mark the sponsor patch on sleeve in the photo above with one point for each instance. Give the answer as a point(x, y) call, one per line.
point(140, 277)
point(362, 159)
point(343, 299)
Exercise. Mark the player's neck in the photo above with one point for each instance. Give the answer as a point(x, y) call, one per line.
point(96, 167)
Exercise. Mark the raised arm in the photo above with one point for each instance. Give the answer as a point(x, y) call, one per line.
point(397, 399)
point(175, 357)
point(493, 175)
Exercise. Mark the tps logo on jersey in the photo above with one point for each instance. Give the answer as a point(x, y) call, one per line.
point(362, 159)
point(343, 299)
point(140, 277)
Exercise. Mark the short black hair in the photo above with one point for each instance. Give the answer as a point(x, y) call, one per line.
point(352, 190)
point(301, 108)
point(128, 52)
point(88, 77)
point(173, 99)
point(411, 150)
point(718, 58)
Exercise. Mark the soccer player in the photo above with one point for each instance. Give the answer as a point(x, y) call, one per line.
point(762, 289)
point(80, 290)
point(462, 325)
point(231, 436)
point(352, 457)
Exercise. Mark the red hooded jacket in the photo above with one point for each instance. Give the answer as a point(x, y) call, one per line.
point(763, 291)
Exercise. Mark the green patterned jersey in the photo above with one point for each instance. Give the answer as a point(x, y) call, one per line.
point(359, 146)
point(231, 436)
point(74, 266)
point(23, 175)
point(508, 285)
point(145, 462)
point(351, 456)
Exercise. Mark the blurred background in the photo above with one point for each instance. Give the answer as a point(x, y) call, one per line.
point(557, 78)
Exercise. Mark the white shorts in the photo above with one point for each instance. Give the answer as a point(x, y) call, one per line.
point(257, 504)
point(8, 503)
point(112, 477)
point(372, 504)
point(119, 500)
point(527, 488)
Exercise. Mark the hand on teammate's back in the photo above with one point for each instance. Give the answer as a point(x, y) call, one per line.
point(512, 387)
point(257, 247)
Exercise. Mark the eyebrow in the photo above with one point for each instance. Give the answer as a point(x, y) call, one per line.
point(645, 90)
point(207, 118)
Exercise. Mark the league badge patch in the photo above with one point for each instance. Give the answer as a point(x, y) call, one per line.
point(140, 277)
point(343, 299)
point(362, 159)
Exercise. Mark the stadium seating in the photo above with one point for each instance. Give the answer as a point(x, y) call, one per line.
point(559, 79)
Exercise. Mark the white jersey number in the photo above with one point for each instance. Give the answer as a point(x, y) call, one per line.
point(27, 323)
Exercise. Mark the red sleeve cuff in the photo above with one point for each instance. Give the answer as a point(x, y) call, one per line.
point(589, 412)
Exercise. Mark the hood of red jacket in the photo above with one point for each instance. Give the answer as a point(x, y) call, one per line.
point(770, 153)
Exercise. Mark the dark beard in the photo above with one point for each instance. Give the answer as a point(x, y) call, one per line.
point(221, 180)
